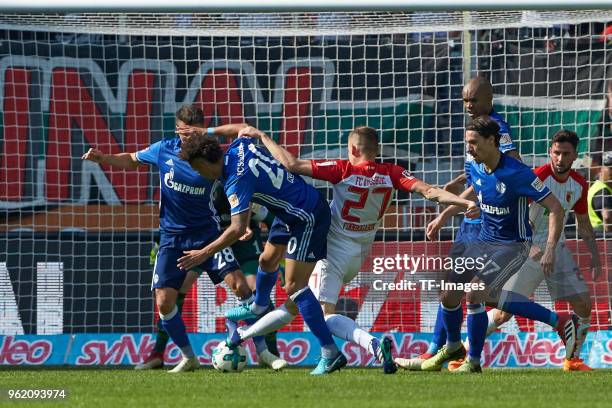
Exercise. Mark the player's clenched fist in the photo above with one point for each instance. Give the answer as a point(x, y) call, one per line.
point(433, 228)
point(473, 211)
point(250, 131)
point(94, 155)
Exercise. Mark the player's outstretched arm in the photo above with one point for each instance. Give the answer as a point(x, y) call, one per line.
point(445, 197)
point(585, 231)
point(284, 157)
point(237, 229)
point(434, 227)
point(555, 226)
point(125, 161)
point(230, 130)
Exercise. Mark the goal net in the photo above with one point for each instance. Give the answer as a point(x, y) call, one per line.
point(76, 237)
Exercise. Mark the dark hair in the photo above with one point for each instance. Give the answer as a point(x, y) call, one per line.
point(191, 115)
point(203, 147)
point(485, 127)
point(564, 135)
point(367, 138)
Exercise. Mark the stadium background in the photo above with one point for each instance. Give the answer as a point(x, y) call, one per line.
point(75, 241)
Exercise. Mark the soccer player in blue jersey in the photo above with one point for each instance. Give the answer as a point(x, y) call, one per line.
point(477, 97)
point(503, 186)
point(299, 232)
point(188, 220)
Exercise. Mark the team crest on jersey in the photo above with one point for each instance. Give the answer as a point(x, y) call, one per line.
point(500, 187)
point(538, 185)
point(505, 139)
point(233, 200)
point(568, 196)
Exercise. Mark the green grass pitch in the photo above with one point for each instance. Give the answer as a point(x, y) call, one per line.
point(352, 388)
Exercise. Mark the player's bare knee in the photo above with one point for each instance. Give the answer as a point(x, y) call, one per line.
point(164, 305)
point(582, 306)
point(474, 297)
point(268, 261)
point(237, 284)
point(291, 307)
point(270, 258)
point(328, 308)
point(291, 287)
point(450, 299)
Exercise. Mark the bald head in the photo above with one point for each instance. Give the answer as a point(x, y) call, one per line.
point(478, 97)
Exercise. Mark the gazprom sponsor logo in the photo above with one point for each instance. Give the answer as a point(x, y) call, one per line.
point(181, 188)
point(489, 209)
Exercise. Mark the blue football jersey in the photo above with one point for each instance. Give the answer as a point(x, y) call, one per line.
point(505, 145)
point(186, 199)
point(503, 196)
point(251, 174)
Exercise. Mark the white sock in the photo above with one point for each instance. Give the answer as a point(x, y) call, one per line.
point(346, 328)
point(268, 323)
point(492, 326)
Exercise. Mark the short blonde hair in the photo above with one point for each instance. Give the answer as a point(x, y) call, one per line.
point(366, 139)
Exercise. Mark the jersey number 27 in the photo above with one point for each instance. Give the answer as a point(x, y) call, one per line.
point(363, 197)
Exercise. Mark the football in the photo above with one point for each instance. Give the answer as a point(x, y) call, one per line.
point(229, 360)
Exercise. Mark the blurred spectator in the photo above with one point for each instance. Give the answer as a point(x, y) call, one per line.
point(606, 35)
point(602, 141)
point(77, 21)
point(600, 196)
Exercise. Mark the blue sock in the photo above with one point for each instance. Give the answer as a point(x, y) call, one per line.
point(452, 319)
point(477, 322)
point(439, 335)
point(259, 341)
point(174, 326)
point(519, 305)
point(264, 283)
point(311, 311)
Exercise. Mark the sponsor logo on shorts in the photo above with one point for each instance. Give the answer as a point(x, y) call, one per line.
point(155, 278)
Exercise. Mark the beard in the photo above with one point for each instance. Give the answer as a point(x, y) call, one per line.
point(562, 169)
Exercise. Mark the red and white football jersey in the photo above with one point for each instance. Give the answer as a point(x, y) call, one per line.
point(571, 193)
point(362, 193)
